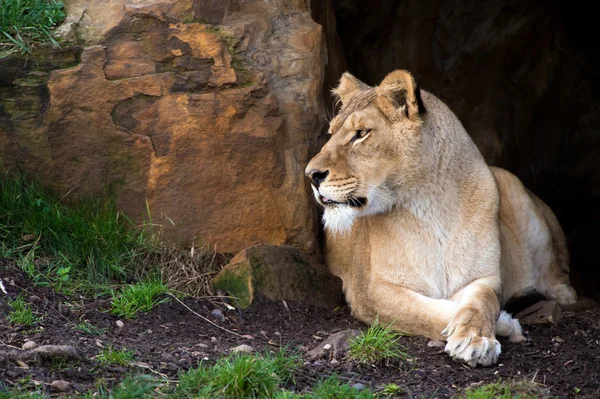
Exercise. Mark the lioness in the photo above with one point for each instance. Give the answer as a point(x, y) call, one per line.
point(422, 232)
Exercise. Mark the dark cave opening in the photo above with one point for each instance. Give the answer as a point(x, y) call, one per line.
point(523, 78)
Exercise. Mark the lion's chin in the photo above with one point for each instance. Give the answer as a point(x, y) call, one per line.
point(338, 219)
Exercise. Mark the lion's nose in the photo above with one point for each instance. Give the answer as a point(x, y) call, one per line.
point(317, 176)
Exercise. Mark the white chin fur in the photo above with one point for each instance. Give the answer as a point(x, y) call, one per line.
point(338, 219)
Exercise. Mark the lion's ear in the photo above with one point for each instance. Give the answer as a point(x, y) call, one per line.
point(398, 96)
point(348, 87)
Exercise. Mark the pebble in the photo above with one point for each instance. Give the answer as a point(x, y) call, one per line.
point(558, 339)
point(120, 324)
point(243, 349)
point(60, 386)
point(334, 361)
point(30, 345)
point(358, 386)
point(247, 336)
point(327, 347)
point(218, 314)
point(436, 344)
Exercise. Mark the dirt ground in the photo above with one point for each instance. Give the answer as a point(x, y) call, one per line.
point(564, 357)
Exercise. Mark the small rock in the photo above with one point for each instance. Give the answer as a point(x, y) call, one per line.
point(317, 337)
point(29, 345)
point(436, 344)
point(277, 333)
point(120, 324)
point(217, 314)
point(202, 345)
point(558, 339)
point(327, 347)
point(243, 349)
point(247, 336)
point(60, 386)
point(213, 339)
point(358, 386)
point(334, 361)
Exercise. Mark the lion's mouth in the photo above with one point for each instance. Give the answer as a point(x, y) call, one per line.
point(354, 202)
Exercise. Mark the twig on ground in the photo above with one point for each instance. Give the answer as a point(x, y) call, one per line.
point(204, 318)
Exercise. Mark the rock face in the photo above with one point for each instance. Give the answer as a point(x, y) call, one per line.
point(205, 109)
point(278, 273)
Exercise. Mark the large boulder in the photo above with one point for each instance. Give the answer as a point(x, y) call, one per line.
point(278, 273)
point(206, 111)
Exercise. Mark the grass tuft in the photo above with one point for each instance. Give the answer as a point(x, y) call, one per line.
point(115, 357)
point(22, 313)
point(25, 23)
point(332, 388)
point(139, 297)
point(89, 328)
point(511, 389)
point(379, 343)
point(240, 376)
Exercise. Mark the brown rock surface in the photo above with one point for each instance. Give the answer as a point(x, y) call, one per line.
point(211, 124)
point(278, 273)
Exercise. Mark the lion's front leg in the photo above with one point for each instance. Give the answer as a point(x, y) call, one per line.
point(471, 332)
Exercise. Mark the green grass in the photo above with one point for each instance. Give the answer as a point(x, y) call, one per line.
point(25, 23)
point(22, 313)
point(391, 390)
point(379, 343)
point(89, 328)
point(239, 376)
point(139, 297)
point(88, 244)
point(505, 390)
point(19, 394)
point(115, 357)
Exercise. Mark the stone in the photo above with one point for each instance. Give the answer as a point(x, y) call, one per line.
point(334, 362)
point(120, 324)
point(217, 314)
point(542, 312)
point(210, 125)
point(242, 349)
point(60, 386)
point(29, 345)
point(336, 345)
point(278, 273)
point(436, 344)
point(359, 386)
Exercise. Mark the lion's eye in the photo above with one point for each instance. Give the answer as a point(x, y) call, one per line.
point(361, 134)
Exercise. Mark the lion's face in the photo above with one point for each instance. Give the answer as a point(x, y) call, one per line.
point(371, 153)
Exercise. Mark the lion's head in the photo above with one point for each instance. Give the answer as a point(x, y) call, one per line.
point(374, 149)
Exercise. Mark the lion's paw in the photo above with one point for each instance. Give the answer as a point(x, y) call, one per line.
point(473, 349)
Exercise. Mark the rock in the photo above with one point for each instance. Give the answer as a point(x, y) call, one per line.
point(542, 312)
point(436, 344)
point(558, 339)
point(211, 124)
point(278, 273)
point(338, 343)
point(120, 324)
point(29, 345)
point(334, 361)
point(359, 386)
point(242, 349)
point(217, 314)
point(60, 386)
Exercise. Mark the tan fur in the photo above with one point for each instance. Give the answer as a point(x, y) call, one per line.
point(424, 251)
